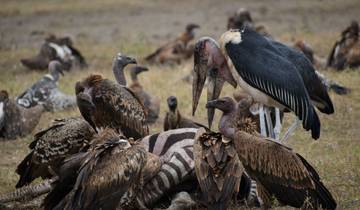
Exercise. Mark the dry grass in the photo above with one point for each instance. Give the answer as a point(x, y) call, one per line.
point(335, 155)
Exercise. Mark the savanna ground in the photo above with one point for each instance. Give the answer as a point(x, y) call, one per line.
point(101, 28)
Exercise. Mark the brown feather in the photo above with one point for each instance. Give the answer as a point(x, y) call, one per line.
point(51, 146)
point(115, 106)
point(218, 168)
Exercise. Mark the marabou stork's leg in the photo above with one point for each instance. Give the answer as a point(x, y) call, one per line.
point(291, 129)
point(277, 128)
point(262, 120)
point(270, 128)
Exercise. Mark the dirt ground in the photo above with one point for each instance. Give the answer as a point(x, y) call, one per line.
point(101, 28)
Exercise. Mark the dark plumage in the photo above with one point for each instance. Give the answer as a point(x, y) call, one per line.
point(218, 169)
point(108, 175)
point(51, 146)
point(173, 118)
point(272, 73)
point(15, 120)
point(151, 102)
point(278, 171)
point(104, 103)
point(45, 91)
point(176, 50)
point(346, 50)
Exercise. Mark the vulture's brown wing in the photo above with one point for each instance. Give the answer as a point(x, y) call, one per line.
point(217, 168)
point(107, 174)
point(117, 107)
point(51, 145)
point(282, 172)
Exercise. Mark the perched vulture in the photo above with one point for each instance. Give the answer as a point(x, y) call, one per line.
point(151, 102)
point(15, 120)
point(51, 146)
point(283, 78)
point(218, 168)
point(45, 91)
point(278, 171)
point(176, 50)
point(173, 118)
point(346, 51)
point(104, 103)
point(108, 176)
point(54, 48)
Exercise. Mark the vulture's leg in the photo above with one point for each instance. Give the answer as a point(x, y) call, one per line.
point(291, 129)
point(277, 128)
point(269, 124)
point(262, 120)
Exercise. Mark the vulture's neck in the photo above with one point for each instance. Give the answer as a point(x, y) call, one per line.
point(118, 70)
point(226, 125)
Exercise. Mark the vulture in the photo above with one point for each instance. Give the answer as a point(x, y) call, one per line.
point(51, 146)
point(278, 171)
point(274, 74)
point(218, 169)
point(15, 120)
point(104, 103)
point(176, 50)
point(346, 51)
point(151, 102)
point(45, 91)
point(173, 118)
point(55, 48)
point(107, 176)
point(242, 18)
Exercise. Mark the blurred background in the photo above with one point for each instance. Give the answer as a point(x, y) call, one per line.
point(102, 28)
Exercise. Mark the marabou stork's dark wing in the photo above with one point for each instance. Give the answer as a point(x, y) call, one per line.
point(273, 74)
point(315, 87)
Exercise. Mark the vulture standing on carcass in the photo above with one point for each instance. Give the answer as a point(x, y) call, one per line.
point(218, 169)
point(108, 176)
point(272, 73)
point(54, 48)
point(176, 50)
point(346, 51)
point(151, 102)
point(173, 118)
point(104, 103)
point(15, 120)
point(45, 91)
point(51, 146)
point(278, 171)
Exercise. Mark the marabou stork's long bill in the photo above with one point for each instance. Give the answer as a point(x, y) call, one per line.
point(272, 73)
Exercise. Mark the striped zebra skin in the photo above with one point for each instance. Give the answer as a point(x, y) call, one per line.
point(175, 149)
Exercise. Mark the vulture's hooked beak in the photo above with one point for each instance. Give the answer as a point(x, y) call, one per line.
point(215, 85)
